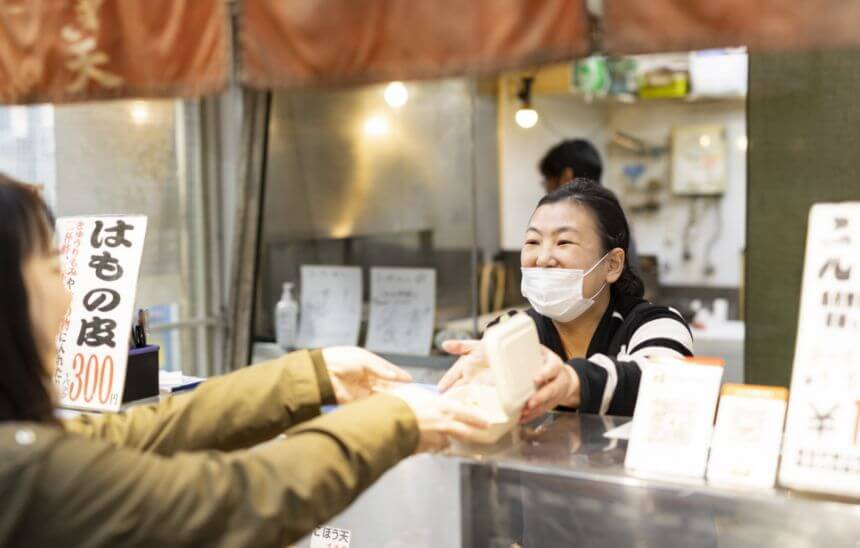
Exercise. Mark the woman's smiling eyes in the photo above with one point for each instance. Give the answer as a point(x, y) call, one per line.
point(563, 243)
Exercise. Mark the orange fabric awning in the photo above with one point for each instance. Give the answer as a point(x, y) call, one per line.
point(76, 50)
point(636, 26)
point(340, 42)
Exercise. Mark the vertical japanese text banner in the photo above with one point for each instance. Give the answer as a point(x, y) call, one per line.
point(100, 258)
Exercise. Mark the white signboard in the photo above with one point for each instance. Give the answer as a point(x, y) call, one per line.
point(748, 435)
point(674, 418)
point(330, 307)
point(822, 434)
point(330, 537)
point(402, 310)
point(100, 258)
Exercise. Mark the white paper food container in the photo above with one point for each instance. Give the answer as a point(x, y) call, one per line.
point(513, 352)
point(484, 401)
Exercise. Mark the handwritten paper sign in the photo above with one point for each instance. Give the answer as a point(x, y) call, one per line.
point(674, 418)
point(748, 435)
point(100, 259)
point(822, 435)
point(330, 537)
point(331, 306)
point(402, 310)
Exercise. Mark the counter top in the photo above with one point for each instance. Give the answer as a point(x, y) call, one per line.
point(564, 471)
point(560, 482)
point(574, 445)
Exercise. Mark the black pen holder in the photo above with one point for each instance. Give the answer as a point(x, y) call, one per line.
point(141, 374)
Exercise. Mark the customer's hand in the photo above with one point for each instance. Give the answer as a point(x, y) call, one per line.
point(556, 384)
point(440, 419)
point(470, 367)
point(357, 373)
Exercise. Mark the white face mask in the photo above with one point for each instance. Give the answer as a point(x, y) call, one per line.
point(557, 292)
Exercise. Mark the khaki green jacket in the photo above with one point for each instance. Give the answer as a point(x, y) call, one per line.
point(180, 473)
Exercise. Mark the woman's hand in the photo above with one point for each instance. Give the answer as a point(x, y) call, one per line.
point(356, 373)
point(556, 384)
point(471, 365)
point(440, 419)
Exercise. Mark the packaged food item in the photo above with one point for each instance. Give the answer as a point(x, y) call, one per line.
point(513, 352)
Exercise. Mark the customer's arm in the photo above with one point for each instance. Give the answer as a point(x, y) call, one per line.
point(229, 412)
point(89, 492)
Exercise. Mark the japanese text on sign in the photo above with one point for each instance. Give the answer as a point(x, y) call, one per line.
point(822, 447)
point(101, 260)
point(331, 306)
point(330, 537)
point(402, 307)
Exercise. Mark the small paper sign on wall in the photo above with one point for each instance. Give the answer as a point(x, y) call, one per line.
point(402, 310)
point(100, 259)
point(822, 431)
point(331, 306)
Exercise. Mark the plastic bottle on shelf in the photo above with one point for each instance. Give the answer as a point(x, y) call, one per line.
point(287, 319)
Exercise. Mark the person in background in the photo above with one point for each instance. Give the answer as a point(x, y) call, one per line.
point(568, 160)
point(178, 473)
point(571, 159)
point(588, 307)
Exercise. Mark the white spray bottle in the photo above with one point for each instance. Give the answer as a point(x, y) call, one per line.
point(287, 319)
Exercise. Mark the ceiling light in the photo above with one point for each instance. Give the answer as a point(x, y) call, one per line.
point(376, 126)
point(526, 116)
point(396, 94)
point(139, 112)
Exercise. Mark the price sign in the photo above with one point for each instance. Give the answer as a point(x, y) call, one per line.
point(748, 435)
point(674, 418)
point(330, 537)
point(822, 433)
point(100, 259)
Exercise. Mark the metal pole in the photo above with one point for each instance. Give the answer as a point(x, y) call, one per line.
point(474, 194)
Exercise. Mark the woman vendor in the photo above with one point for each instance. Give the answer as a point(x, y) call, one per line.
point(587, 304)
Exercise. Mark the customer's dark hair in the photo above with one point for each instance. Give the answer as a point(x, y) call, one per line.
point(25, 229)
point(610, 220)
point(577, 154)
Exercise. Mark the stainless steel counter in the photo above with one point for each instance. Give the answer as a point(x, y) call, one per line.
point(562, 483)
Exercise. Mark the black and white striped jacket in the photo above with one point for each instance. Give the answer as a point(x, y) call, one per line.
point(630, 330)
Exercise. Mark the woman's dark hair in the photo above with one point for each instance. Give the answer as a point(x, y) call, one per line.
point(611, 224)
point(577, 154)
point(25, 229)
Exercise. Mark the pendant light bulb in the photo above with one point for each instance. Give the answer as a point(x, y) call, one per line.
point(526, 117)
